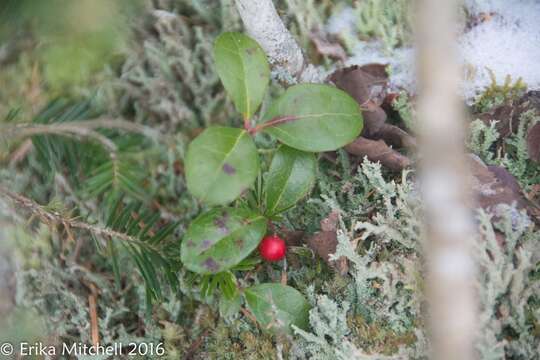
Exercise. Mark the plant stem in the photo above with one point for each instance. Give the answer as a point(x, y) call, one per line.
point(273, 122)
point(52, 217)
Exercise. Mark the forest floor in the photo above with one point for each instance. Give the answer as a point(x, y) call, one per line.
point(84, 259)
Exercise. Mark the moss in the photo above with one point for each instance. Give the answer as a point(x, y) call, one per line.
point(495, 94)
point(377, 337)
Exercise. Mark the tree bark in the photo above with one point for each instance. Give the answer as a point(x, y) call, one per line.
point(444, 184)
point(262, 22)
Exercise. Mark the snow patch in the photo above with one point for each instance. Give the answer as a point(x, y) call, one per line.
point(506, 44)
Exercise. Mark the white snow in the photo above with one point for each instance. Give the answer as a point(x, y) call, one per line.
point(343, 20)
point(507, 44)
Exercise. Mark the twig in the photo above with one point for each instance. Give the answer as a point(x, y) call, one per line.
point(92, 305)
point(53, 217)
point(28, 129)
point(84, 128)
point(21, 152)
point(249, 315)
point(191, 351)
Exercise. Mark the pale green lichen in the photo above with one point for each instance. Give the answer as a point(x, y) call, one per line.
point(516, 159)
point(481, 140)
point(403, 105)
point(510, 315)
point(169, 76)
point(386, 20)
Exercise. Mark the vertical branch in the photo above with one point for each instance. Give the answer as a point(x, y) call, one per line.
point(262, 22)
point(449, 226)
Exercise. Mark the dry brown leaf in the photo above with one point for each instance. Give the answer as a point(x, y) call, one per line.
point(360, 84)
point(367, 85)
point(325, 242)
point(327, 48)
point(494, 185)
point(504, 116)
point(533, 143)
point(378, 150)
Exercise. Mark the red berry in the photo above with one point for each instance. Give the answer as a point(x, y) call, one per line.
point(272, 248)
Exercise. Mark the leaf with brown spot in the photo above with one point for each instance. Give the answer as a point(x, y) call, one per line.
point(221, 163)
point(229, 169)
point(211, 265)
point(222, 238)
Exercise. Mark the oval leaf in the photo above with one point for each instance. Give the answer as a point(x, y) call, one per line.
point(220, 239)
point(277, 307)
point(243, 69)
point(220, 164)
point(315, 118)
point(290, 178)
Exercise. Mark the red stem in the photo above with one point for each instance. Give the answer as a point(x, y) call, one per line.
point(273, 122)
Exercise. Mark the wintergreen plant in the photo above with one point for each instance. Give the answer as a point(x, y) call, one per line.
point(222, 163)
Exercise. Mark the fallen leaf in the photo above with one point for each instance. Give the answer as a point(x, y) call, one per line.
point(367, 85)
point(358, 83)
point(324, 243)
point(503, 115)
point(508, 116)
point(327, 48)
point(397, 137)
point(374, 120)
point(378, 150)
point(494, 185)
point(292, 237)
point(376, 70)
point(330, 223)
point(533, 143)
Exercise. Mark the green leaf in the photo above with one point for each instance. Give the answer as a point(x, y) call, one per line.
point(221, 163)
point(290, 178)
point(315, 118)
point(220, 239)
point(243, 69)
point(277, 307)
point(230, 307)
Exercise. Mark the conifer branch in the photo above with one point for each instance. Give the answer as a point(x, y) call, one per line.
point(49, 217)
